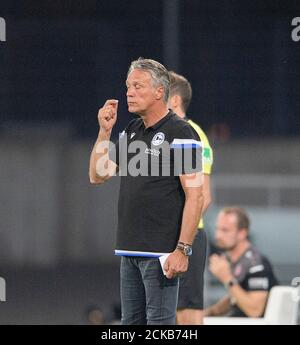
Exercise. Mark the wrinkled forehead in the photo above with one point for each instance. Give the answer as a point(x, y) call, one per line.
point(139, 75)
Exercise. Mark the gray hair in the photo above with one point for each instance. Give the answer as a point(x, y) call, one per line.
point(159, 73)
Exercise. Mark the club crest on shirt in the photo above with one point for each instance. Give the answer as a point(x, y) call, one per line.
point(237, 270)
point(158, 139)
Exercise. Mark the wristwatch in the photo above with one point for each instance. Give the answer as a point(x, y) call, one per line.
point(185, 248)
point(231, 283)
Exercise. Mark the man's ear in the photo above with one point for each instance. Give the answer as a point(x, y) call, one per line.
point(243, 234)
point(176, 101)
point(159, 93)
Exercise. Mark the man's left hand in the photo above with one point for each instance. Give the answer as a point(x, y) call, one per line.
point(175, 264)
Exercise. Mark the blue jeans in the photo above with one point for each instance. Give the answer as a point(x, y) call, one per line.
point(147, 296)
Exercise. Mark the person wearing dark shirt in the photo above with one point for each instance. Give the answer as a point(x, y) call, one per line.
point(247, 274)
point(160, 199)
point(191, 283)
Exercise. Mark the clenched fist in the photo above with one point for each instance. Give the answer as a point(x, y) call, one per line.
point(107, 115)
point(220, 268)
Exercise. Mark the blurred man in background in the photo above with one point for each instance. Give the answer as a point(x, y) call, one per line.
point(191, 284)
point(246, 274)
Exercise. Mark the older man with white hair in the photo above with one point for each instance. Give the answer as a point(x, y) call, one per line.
point(160, 198)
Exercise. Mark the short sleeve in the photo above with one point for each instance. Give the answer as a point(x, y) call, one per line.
point(117, 148)
point(187, 151)
point(260, 278)
point(114, 148)
point(207, 159)
point(207, 152)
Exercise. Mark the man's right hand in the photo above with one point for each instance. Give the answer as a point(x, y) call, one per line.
point(107, 115)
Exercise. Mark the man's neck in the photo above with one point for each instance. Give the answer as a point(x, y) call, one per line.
point(152, 116)
point(239, 250)
point(179, 112)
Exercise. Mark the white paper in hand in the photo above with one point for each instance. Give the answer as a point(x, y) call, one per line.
point(162, 260)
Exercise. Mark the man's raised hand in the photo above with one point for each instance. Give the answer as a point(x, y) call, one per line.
point(107, 115)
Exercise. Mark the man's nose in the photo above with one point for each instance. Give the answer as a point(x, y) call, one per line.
point(129, 92)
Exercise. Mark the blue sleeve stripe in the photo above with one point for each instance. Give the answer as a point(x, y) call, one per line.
point(185, 146)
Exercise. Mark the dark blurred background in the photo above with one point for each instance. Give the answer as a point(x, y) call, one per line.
point(61, 60)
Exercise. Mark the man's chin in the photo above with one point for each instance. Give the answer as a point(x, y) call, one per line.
point(224, 248)
point(133, 110)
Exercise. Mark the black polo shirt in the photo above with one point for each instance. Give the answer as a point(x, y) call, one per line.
point(151, 198)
